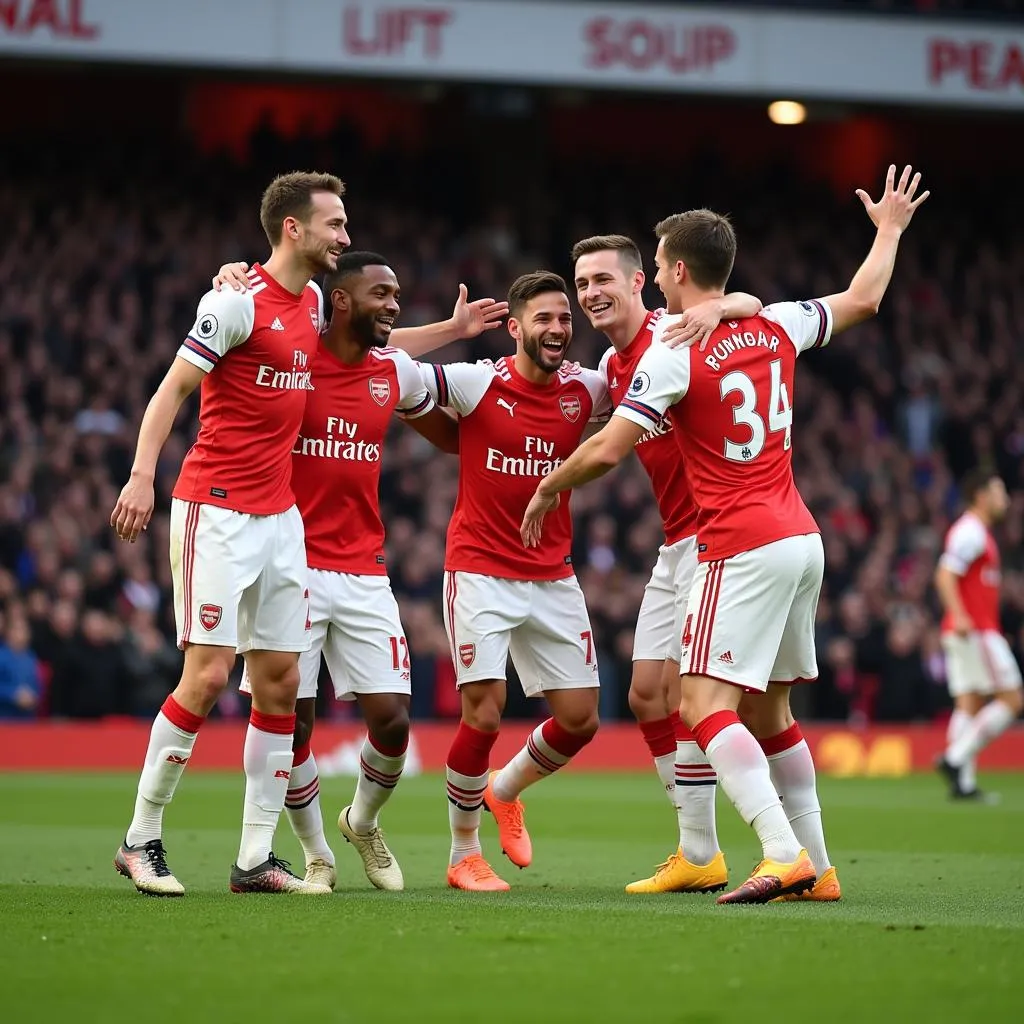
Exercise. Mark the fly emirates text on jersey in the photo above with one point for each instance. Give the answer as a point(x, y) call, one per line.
point(339, 442)
point(536, 461)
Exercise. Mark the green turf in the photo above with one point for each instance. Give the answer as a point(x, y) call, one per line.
point(931, 927)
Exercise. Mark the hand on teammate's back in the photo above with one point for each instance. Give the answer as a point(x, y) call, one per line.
point(897, 204)
point(694, 325)
point(233, 274)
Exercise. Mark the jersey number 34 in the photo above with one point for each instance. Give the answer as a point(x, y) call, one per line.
point(780, 413)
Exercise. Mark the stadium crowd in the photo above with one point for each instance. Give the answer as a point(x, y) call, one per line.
point(99, 278)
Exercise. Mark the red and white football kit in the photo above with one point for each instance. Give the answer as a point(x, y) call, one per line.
point(981, 662)
point(659, 623)
point(500, 596)
point(353, 615)
point(237, 556)
point(750, 613)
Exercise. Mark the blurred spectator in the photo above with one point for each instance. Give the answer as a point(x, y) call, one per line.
point(20, 678)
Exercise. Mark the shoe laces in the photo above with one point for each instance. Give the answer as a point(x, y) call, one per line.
point(513, 816)
point(375, 842)
point(281, 865)
point(157, 856)
point(479, 868)
point(668, 865)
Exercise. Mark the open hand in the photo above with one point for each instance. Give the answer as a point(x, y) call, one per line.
point(897, 205)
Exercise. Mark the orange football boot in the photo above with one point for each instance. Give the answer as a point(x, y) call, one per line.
point(474, 874)
point(515, 840)
point(826, 890)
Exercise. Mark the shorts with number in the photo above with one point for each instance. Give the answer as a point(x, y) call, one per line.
point(354, 623)
point(750, 617)
point(543, 625)
point(239, 579)
point(659, 625)
point(980, 663)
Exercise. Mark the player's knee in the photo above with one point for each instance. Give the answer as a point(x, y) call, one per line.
point(645, 705)
point(1014, 700)
point(583, 723)
point(391, 728)
point(206, 681)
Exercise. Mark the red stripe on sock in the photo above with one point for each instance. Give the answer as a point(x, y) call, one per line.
point(707, 729)
point(660, 736)
point(470, 752)
point(565, 743)
point(388, 751)
point(281, 725)
point(301, 754)
point(178, 716)
point(783, 741)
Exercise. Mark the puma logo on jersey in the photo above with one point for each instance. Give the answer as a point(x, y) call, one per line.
point(510, 406)
point(276, 325)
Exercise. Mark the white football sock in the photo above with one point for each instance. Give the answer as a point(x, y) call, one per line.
point(302, 805)
point(378, 775)
point(267, 759)
point(696, 786)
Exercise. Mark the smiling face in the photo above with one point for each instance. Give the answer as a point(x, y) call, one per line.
point(543, 329)
point(368, 298)
point(607, 286)
point(323, 236)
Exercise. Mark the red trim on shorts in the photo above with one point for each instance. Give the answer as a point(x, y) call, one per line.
point(561, 741)
point(188, 561)
point(450, 604)
point(300, 755)
point(706, 618)
point(660, 736)
point(279, 725)
point(782, 741)
point(708, 728)
point(179, 717)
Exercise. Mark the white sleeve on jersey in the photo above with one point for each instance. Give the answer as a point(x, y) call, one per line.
point(964, 545)
point(321, 326)
point(457, 386)
point(602, 367)
point(414, 400)
point(808, 324)
point(224, 319)
point(661, 379)
point(596, 382)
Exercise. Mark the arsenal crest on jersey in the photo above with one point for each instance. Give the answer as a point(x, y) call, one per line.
point(571, 407)
point(209, 616)
point(314, 315)
point(380, 390)
point(467, 654)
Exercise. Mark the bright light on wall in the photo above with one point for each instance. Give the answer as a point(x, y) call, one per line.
point(787, 112)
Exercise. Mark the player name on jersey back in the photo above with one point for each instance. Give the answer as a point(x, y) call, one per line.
point(512, 433)
point(336, 457)
point(732, 410)
point(256, 348)
point(657, 449)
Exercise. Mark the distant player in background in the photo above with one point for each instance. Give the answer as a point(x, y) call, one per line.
point(236, 539)
point(358, 383)
point(519, 417)
point(984, 679)
point(609, 278)
point(749, 628)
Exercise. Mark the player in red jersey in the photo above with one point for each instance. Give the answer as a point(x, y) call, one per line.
point(609, 281)
point(237, 554)
point(519, 417)
point(359, 382)
point(749, 627)
point(984, 679)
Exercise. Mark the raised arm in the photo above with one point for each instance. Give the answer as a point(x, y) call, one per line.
point(891, 215)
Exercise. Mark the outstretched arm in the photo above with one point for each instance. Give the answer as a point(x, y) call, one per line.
point(468, 319)
point(891, 215)
point(595, 457)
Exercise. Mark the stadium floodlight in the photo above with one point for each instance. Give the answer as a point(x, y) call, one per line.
point(787, 112)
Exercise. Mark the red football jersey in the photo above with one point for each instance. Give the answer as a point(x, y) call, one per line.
point(971, 553)
point(256, 347)
point(657, 449)
point(512, 433)
point(336, 458)
point(732, 410)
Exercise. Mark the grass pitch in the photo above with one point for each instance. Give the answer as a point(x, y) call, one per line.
point(931, 926)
